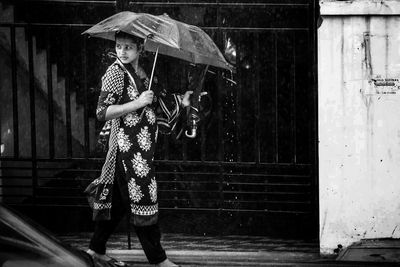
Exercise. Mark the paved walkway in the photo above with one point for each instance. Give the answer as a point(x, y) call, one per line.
point(198, 243)
point(210, 251)
point(225, 251)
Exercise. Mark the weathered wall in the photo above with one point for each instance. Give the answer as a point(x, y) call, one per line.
point(359, 125)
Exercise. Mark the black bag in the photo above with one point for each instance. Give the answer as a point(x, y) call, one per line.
point(90, 193)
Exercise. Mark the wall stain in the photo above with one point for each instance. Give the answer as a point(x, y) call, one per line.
point(323, 225)
point(367, 95)
point(394, 230)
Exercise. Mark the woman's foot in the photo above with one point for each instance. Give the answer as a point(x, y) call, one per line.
point(104, 257)
point(166, 263)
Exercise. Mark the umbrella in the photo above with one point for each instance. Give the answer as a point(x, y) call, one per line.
point(142, 25)
point(193, 45)
point(163, 35)
point(166, 36)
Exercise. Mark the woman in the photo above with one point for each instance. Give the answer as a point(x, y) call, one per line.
point(127, 182)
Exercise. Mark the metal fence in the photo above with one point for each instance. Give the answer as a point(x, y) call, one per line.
point(256, 153)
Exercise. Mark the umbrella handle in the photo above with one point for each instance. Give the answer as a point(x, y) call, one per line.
point(193, 129)
point(193, 134)
point(154, 66)
point(151, 78)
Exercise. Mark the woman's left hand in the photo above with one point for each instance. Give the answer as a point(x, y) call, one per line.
point(186, 98)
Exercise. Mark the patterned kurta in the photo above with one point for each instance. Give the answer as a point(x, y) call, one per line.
point(133, 137)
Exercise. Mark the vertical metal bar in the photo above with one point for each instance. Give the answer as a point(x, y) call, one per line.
point(1, 147)
point(166, 137)
point(185, 82)
point(14, 91)
point(239, 100)
point(203, 137)
point(166, 146)
point(203, 142)
point(220, 116)
point(313, 83)
point(221, 156)
point(128, 230)
point(184, 148)
point(67, 72)
point(85, 100)
point(33, 113)
point(276, 148)
point(221, 188)
point(220, 152)
point(221, 147)
point(119, 7)
point(256, 90)
point(50, 106)
point(293, 102)
point(176, 194)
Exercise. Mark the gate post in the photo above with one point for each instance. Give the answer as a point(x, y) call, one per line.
point(123, 5)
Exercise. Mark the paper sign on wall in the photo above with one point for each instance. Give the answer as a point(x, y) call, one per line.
point(386, 86)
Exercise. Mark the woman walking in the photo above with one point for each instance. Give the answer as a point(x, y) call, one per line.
point(127, 182)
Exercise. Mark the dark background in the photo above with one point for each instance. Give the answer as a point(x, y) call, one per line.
point(252, 170)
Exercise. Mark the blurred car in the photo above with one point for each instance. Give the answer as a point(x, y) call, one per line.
point(24, 243)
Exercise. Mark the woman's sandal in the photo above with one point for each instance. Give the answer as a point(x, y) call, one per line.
point(167, 262)
point(110, 260)
point(115, 262)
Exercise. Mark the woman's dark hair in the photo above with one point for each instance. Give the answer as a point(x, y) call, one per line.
point(138, 41)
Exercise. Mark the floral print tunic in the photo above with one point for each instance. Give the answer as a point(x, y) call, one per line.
point(134, 136)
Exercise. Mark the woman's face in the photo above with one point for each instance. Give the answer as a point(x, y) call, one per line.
point(126, 49)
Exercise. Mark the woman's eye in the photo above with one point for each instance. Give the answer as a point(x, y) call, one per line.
point(126, 47)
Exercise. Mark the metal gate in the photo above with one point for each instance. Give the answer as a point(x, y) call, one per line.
point(251, 170)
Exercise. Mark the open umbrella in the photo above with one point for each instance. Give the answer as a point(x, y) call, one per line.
point(166, 36)
point(193, 44)
point(142, 25)
point(163, 35)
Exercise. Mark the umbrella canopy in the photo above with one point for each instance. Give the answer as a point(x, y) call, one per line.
point(194, 45)
point(142, 25)
point(164, 35)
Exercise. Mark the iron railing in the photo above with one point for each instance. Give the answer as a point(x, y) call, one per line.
point(255, 154)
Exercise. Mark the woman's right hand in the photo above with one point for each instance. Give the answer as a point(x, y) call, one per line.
point(145, 98)
point(115, 111)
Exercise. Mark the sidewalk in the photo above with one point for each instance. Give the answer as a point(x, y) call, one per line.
point(224, 251)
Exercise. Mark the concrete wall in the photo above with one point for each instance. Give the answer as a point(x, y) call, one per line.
point(359, 121)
